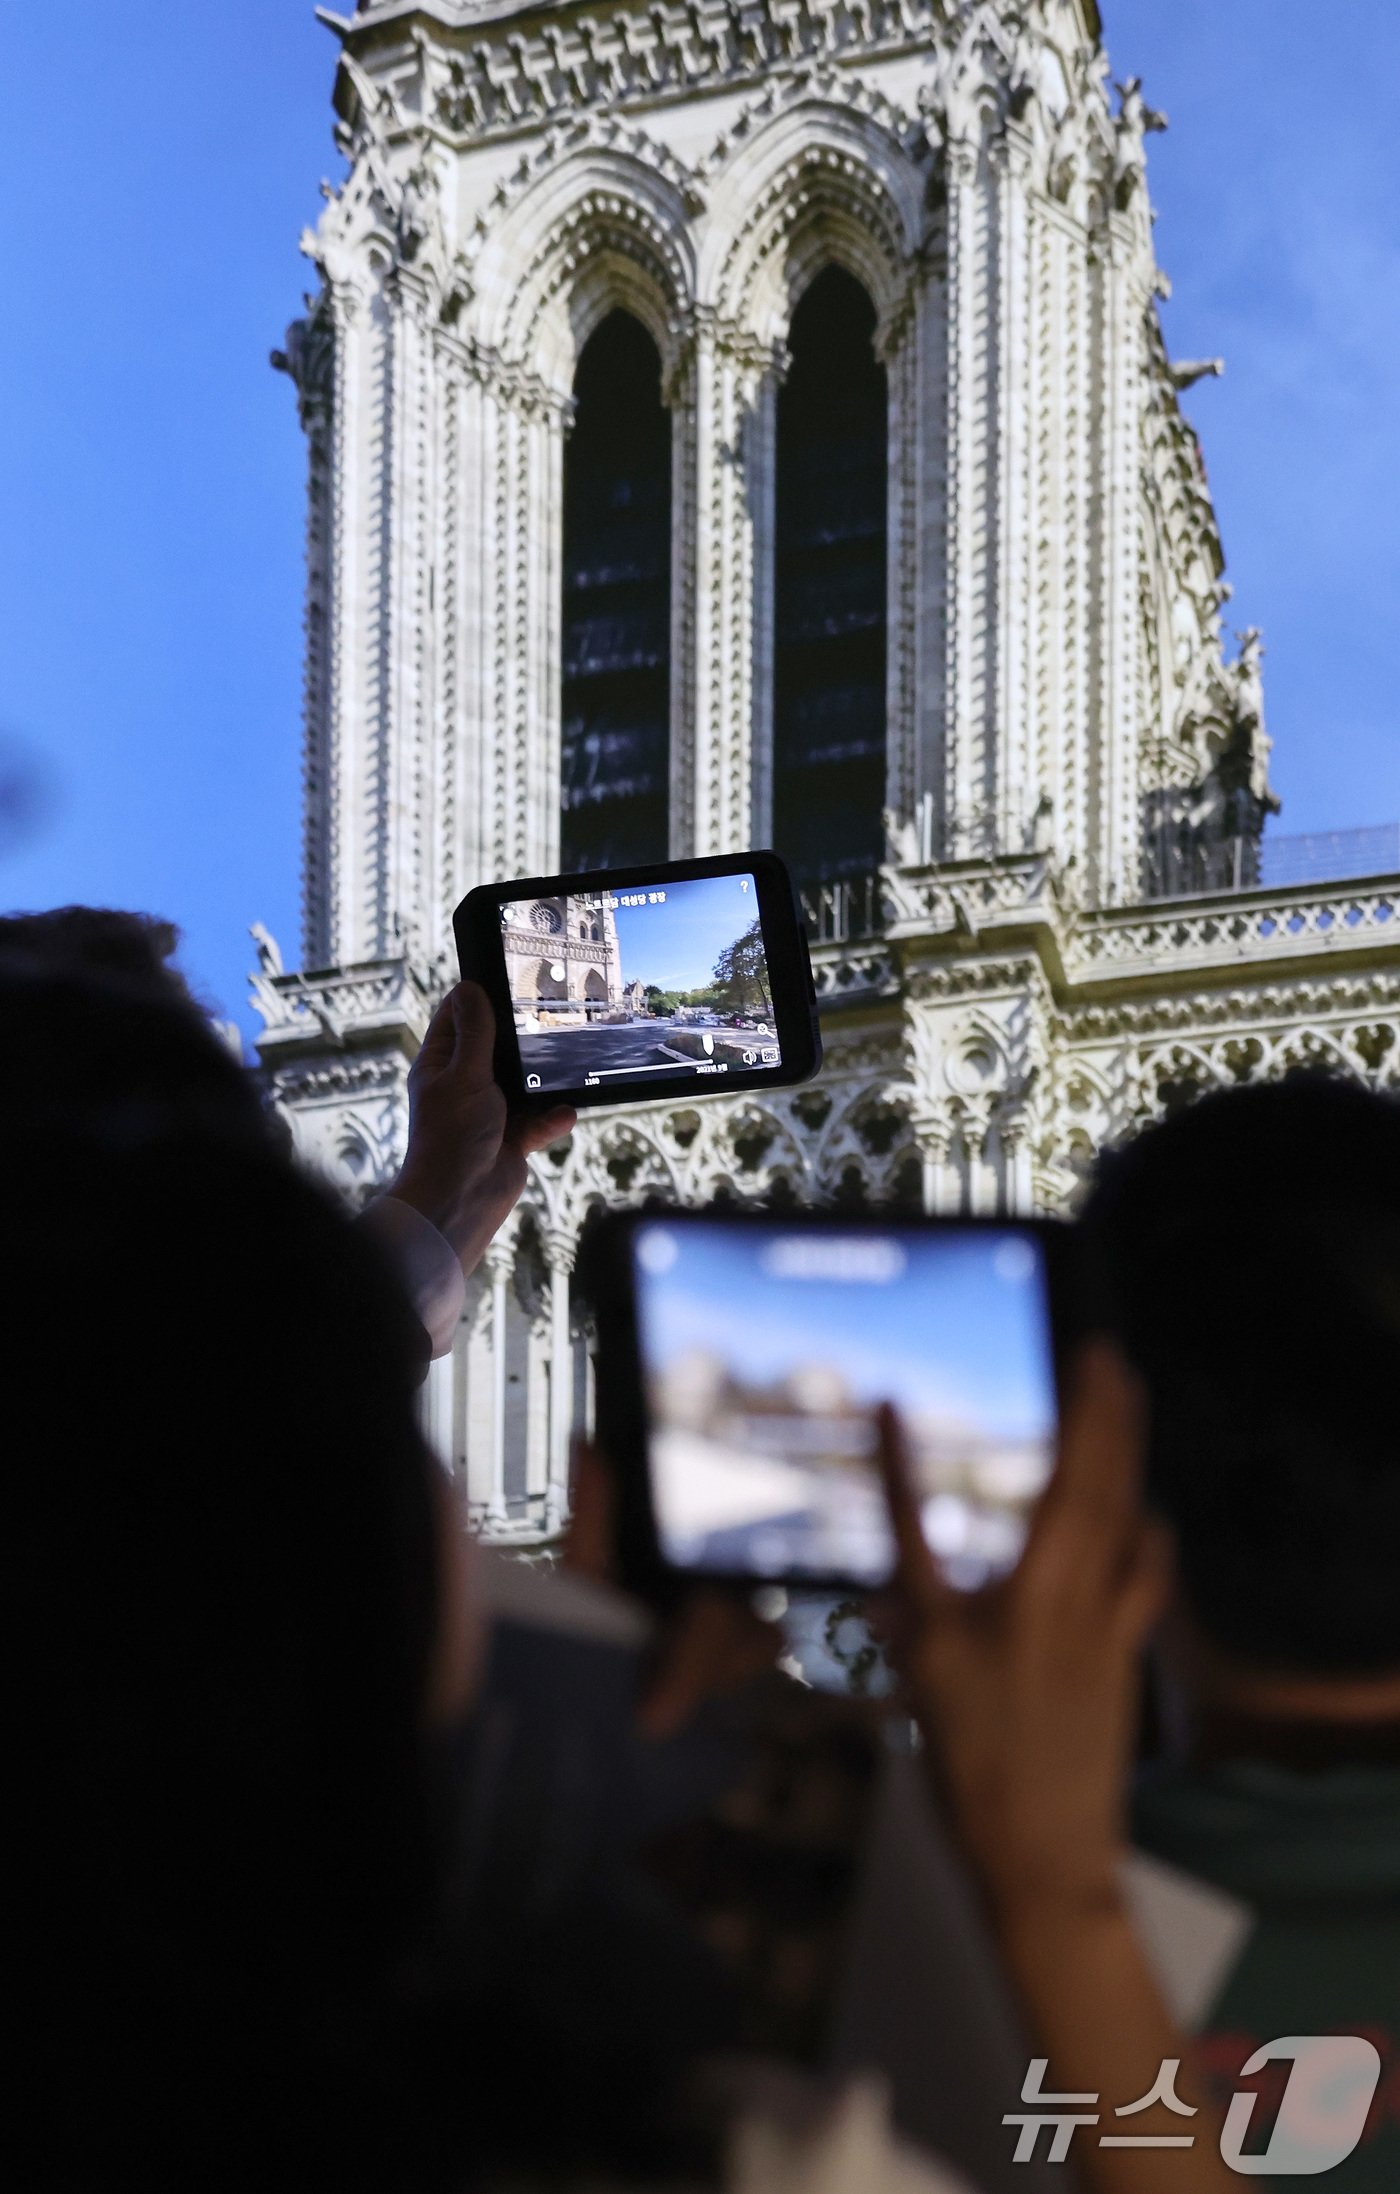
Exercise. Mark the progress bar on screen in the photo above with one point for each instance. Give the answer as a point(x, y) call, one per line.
point(664, 1066)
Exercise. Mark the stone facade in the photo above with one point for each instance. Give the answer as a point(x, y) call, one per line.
point(1068, 932)
point(562, 961)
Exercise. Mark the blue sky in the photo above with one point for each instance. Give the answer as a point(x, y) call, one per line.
point(160, 162)
point(676, 945)
point(1277, 188)
point(952, 1327)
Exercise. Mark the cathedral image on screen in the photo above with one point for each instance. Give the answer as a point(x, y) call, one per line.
point(742, 427)
point(563, 962)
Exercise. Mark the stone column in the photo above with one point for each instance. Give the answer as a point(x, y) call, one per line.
point(560, 1251)
point(402, 651)
point(919, 412)
point(457, 592)
point(898, 345)
point(728, 429)
point(934, 1138)
point(1010, 428)
point(336, 832)
point(1018, 1187)
point(1120, 297)
point(538, 619)
point(500, 1272)
point(505, 673)
point(975, 1120)
point(314, 358)
point(590, 1395)
point(474, 1415)
point(971, 253)
point(760, 465)
point(539, 1413)
point(435, 1408)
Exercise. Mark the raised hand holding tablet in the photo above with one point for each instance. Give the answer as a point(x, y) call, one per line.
point(464, 1168)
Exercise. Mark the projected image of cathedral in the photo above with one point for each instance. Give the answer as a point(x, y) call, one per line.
point(754, 427)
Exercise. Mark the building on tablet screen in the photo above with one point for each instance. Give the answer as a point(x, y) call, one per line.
point(654, 982)
point(563, 962)
point(765, 1365)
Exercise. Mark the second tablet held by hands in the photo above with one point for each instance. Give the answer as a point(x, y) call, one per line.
point(687, 978)
point(742, 1357)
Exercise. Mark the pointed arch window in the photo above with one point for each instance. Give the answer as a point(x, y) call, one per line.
point(830, 592)
point(615, 700)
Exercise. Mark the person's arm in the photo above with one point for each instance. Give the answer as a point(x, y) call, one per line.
point(465, 1164)
point(1092, 2000)
point(1026, 1694)
point(709, 1644)
point(464, 1167)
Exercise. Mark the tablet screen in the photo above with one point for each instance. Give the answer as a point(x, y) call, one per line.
point(767, 1349)
point(662, 982)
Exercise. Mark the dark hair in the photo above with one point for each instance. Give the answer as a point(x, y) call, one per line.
point(219, 1598)
point(97, 941)
point(1250, 1248)
point(119, 1049)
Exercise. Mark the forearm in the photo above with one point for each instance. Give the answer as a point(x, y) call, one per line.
point(1095, 2009)
point(426, 1264)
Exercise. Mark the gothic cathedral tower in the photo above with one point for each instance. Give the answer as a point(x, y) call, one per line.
point(735, 424)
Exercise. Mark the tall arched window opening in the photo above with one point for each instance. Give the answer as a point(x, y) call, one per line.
point(615, 703)
point(830, 588)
